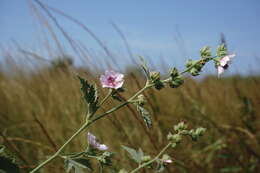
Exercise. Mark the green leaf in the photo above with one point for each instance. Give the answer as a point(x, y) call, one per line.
point(90, 94)
point(77, 164)
point(135, 155)
point(146, 116)
point(144, 67)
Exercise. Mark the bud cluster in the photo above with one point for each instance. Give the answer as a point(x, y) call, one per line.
point(197, 65)
point(182, 130)
point(176, 78)
point(156, 80)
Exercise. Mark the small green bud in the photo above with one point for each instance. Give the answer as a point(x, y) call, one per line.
point(222, 50)
point(176, 79)
point(176, 138)
point(174, 72)
point(174, 83)
point(141, 100)
point(169, 136)
point(189, 63)
point(200, 131)
point(173, 145)
point(158, 85)
point(146, 158)
point(180, 126)
point(155, 76)
point(194, 72)
point(205, 53)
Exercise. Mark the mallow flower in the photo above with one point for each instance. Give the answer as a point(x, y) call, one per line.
point(224, 63)
point(93, 142)
point(112, 79)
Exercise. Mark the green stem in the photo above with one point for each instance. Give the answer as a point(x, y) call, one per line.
point(62, 147)
point(105, 99)
point(122, 104)
point(151, 161)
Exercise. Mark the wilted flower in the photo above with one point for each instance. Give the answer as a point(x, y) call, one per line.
point(112, 79)
point(93, 142)
point(224, 63)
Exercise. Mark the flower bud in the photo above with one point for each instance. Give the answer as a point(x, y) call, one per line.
point(222, 50)
point(200, 131)
point(141, 100)
point(176, 82)
point(180, 126)
point(205, 53)
point(189, 63)
point(174, 72)
point(146, 158)
point(194, 72)
point(155, 76)
point(176, 138)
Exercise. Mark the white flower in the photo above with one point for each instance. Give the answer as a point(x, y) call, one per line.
point(93, 142)
point(224, 63)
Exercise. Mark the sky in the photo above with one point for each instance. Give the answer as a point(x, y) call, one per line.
point(169, 30)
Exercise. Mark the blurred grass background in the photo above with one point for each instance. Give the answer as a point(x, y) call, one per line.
point(42, 106)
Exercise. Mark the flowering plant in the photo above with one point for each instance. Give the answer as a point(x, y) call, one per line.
point(114, 81)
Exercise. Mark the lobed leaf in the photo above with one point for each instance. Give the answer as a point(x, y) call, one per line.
point(90, 94)
point(135, 155)
point(77, 164)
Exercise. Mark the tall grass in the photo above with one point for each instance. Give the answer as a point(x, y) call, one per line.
point(41, 106)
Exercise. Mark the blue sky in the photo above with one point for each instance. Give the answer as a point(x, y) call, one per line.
point(174, 30)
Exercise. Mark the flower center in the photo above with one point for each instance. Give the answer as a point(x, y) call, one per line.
point(225, 66)
point(110, 79)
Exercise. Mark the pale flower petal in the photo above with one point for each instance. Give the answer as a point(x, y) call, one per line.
point(93, 142)
point(220, 70)
point(112, 79)
point(102, 147)
point(224, 63)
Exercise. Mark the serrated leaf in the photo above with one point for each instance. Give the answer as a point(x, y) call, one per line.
point(146, 116)
point(90, 94)
point(77, 164)
point(144, 67)
point(136, 156)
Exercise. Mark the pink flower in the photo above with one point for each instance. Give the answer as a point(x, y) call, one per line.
point(224, 63)
point(93, 142)
point(112, 79)
point(167, 161)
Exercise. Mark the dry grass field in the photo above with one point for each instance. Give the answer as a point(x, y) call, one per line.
point(42, 108)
